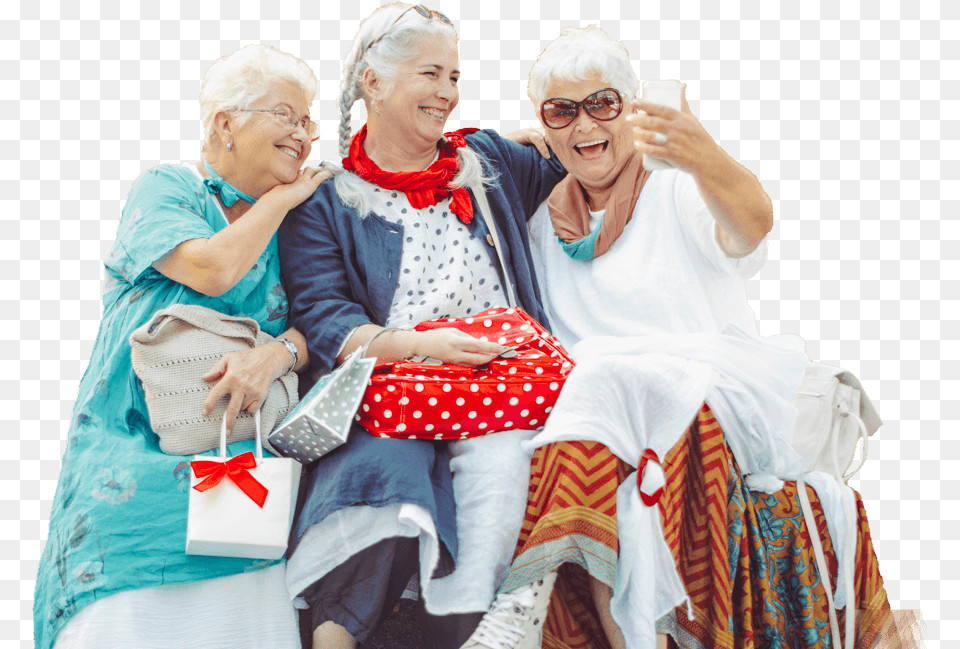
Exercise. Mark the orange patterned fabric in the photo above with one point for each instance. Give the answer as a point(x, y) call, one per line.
point(571, 523)
point(744, 557)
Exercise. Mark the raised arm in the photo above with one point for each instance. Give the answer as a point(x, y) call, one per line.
point(213, 266)
point(734, 196)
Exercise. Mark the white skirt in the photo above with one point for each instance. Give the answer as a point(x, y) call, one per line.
point(248, 610)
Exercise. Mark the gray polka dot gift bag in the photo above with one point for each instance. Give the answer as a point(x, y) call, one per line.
point(321, 421)
point(422, 400)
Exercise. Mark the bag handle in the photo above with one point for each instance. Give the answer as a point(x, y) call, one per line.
point(481, 197)
point(258, 451)
point(821, 559)
point(849, 553)
point(207, 320)
point(864, 435)
point(366, 345)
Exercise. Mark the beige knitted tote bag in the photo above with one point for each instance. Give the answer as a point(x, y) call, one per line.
point(170, 354)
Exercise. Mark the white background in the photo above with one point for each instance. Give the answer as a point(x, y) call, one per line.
point(847, 112)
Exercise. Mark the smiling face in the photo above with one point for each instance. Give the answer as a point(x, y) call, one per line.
point(423, 93)
point(269, 151)
point(594, 151)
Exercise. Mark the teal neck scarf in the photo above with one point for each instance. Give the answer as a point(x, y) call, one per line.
point(229, 194)
point(570, 213)
point(582, 249)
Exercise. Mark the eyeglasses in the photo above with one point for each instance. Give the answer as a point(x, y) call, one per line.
point(285, 116)
point(604, 105)
point(423, 11)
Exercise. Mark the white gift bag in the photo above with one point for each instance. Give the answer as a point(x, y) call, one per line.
point(241, 506)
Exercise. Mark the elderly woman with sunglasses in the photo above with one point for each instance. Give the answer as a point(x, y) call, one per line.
point(114, 572)
point(398, 238)
point(642, 275)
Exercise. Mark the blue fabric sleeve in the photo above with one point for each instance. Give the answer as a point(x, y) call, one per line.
point(163, 210)
point(312, 260)
point(534, 175)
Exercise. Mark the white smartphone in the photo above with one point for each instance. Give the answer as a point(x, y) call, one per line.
point(667, 93)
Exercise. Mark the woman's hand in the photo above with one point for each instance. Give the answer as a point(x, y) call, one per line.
point(454, 346)
point(246, 377)
point(676, 136)
point(448, 345)
point(532, 136)
point(292, 194)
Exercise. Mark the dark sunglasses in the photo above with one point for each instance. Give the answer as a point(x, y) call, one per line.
point(423, 11)
point(604, 105)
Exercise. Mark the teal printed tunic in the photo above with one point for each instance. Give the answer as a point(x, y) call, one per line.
point(120, 512)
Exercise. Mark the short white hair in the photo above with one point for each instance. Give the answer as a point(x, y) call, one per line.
point(382, 43)
point(241, 79)
point(580, 54)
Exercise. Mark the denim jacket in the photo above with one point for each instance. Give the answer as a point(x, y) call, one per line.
point(341, 271)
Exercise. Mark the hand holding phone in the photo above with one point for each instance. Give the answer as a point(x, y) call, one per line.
point(667, 93)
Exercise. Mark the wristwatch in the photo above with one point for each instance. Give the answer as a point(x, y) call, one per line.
point(290, 348)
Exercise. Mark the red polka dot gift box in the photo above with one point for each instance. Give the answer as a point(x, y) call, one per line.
point(420, 400)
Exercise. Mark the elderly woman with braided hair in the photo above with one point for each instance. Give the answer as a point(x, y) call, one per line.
point(395, 240)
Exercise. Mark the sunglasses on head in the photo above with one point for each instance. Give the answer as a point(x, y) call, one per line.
point(420, 9)
point(558, 112)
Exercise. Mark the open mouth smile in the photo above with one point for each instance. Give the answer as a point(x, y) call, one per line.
point(293, 153)
point(593, 149)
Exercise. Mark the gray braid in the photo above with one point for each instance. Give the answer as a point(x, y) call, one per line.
point(353, 68)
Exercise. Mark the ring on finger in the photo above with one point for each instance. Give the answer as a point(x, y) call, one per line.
point(659, 138)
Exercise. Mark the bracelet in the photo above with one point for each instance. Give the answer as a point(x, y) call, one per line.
point(290, 348)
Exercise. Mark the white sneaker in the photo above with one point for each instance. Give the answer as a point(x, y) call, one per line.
point(515, 620)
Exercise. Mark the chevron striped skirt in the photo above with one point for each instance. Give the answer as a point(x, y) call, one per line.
point(744, 557)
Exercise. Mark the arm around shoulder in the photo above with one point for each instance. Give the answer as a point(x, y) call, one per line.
point(214, 265)
point(533, 175)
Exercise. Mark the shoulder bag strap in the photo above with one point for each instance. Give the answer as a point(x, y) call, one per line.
point(481, 196)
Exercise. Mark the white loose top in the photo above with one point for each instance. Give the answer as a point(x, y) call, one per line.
point(665, 274)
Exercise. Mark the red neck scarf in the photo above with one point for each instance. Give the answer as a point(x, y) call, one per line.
point(422, 188)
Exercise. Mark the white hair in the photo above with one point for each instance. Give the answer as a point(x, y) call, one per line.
point(580, 54)
point(383, 43)
point(240, 79)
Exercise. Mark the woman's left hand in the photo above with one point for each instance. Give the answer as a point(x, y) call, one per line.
point(532, 136)
point(246, 377)
point(676, 136)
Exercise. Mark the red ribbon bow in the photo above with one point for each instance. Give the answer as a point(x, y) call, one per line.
point(654, 498)
point(236, 469)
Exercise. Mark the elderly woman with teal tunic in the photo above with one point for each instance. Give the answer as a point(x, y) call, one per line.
point(114, 572)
